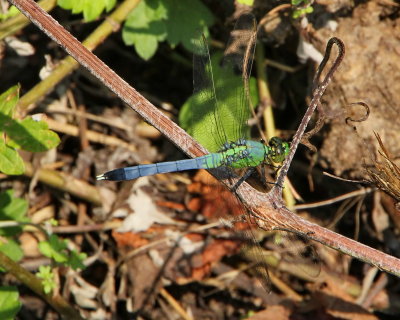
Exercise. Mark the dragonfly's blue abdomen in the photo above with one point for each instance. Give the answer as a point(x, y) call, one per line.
point(237, 155)
point(208, 161)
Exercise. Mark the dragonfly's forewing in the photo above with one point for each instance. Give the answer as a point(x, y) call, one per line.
point(238, 57)
point(221, 85)
point(206, 120)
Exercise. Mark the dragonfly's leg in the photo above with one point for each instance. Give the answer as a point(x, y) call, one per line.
point(248, 173)
point(265, 182)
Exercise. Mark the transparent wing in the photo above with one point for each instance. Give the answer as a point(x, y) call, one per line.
point(221, 89)
point(286, 251)
point(207, 124)
point(238, 57)
point(295, 250)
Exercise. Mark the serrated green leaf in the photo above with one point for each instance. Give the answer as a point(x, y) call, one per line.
point(147, 48)
point(76, 260)
point(30, 135)
point(9, 302)
point(110, 4)
point(10, 161)
point(226, 87)
point(54, 248)
point(145, 27)
point(246, 2)
point(12, 249)
point(185, 19)
point(8, 101)
point(12, 208)
point(309, 10)
point(91, 9)
point(11, 12)
point(47, 275)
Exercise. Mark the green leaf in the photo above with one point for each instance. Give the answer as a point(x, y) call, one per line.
point(11, 249)
point(54, 248)
point(10, 161)
point(76, 260)
point(30, 135)
point(26, 134)
point(186, 19)
point(12, 11)
point(47, 275)
point(309, 10)
point(8, 101)
point(246, 2)
point(12, 209)
point(110, 4)
point(145, 27)
point(91, 9)
point(9, 302)
point(226, 88)
point(153, 21)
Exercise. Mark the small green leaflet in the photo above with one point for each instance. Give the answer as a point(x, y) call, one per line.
point(145, 27)
point(11, 249)
point(57, 249)
point(10, 161)
point(46, 274)
point(26, 134)
point(54, 248)
point(11, 12)
point(9, 302)
point(31, 135)
point(91, 9)
point(14, 209)
point(8, 101)
point(185, 19)
point(246, 2)
point(153, 21)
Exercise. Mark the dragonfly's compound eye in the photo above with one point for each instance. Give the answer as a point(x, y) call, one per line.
point(280, 149)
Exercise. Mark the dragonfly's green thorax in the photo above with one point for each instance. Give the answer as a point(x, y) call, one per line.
point(248, 153)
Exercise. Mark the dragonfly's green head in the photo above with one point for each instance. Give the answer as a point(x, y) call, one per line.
point(278, 149)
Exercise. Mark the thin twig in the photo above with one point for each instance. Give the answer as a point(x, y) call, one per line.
point(335, 199)
point(318, 92)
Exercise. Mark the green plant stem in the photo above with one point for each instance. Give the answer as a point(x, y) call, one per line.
point(67, 183)
point(16, 23)
point(264, 94)
point(35, 284)
point(265, 101)
point(111, 24)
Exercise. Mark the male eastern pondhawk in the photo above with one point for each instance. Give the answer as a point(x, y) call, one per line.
point(219, 110)
point(220, 124)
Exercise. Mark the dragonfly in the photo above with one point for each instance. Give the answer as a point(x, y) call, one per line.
point(218, 114)
point(232, 148)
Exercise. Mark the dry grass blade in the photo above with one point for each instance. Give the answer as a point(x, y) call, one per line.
point(385, 174)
